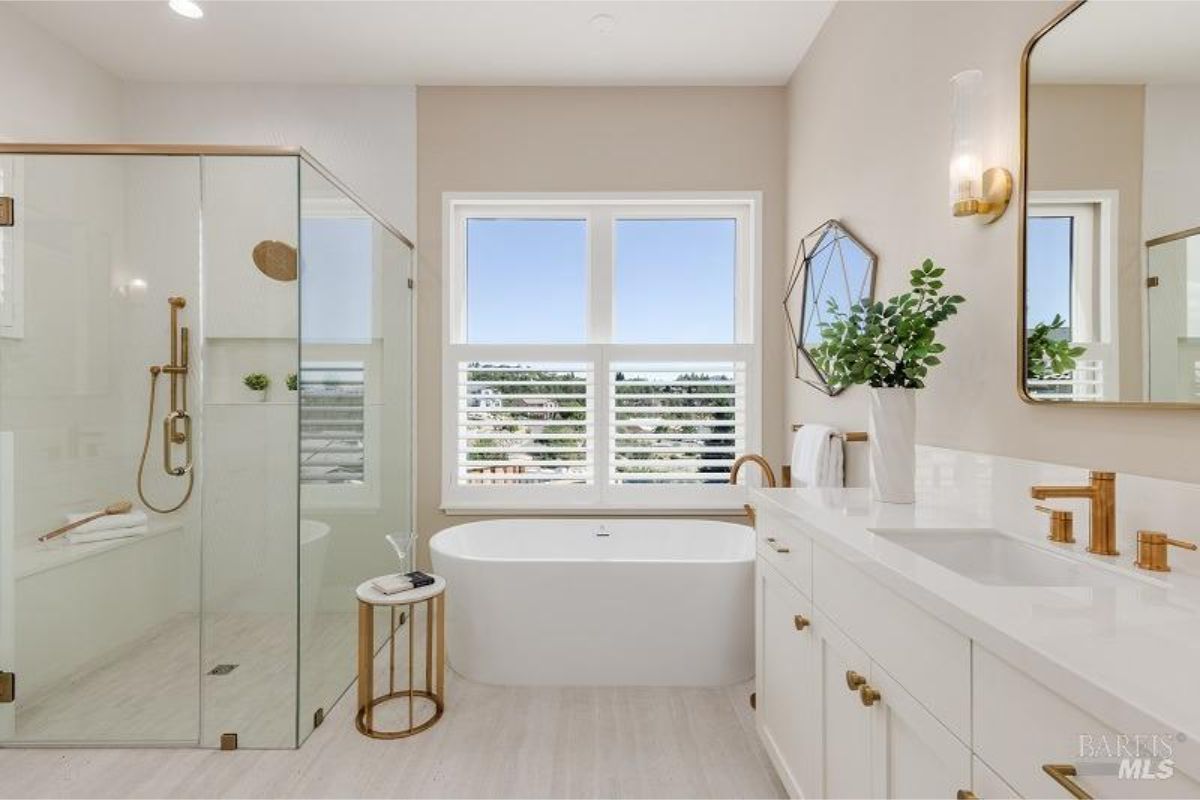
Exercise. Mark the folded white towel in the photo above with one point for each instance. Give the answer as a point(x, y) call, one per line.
point(87, 537)
point(817, 457)
point(391, 584)
point(109, 522)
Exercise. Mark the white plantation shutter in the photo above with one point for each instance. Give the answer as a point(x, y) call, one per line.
point(333, 434)
point(525, 423)
point(675, 423)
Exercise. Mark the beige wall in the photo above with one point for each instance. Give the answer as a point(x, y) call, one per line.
point(49, 92)
point(1090, 138)
point(869, 141)
point(606, 139)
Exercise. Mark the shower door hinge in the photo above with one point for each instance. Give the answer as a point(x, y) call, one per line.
point(1152, 281)
point(411, 283)
point(8, 687)
point(8, 215)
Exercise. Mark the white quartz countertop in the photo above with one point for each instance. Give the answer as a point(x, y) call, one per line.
point(1129, 645)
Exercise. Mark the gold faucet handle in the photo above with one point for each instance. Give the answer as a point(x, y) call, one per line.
point(1152, 550)
point(1062, 524)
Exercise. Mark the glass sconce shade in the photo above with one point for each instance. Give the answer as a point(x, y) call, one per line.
point(966, 161)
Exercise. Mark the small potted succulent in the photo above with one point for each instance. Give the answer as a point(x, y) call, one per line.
point(258, 383)
point(293, 382)
point(889, 347)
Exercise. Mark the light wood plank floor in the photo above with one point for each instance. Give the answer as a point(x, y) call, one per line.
point(494, 741)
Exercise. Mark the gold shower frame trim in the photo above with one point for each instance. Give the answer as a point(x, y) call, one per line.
point(1022, 199)
point(200, 150)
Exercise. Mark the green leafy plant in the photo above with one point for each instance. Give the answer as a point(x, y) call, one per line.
point(1046, 354)
point(293, 382)
point(256, 381)
point(888, 344)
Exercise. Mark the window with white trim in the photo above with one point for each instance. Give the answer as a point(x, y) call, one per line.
point(601, 351)
point(1071, 287)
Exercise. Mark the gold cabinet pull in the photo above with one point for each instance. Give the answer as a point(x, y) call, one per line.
point(966, 794)
point(868, 695)
point(776, 546)
point(800, 622)
point(1063, 775)
point(854, 680)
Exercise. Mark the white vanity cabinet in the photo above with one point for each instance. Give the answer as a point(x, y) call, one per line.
point(946, 715)
point(785, 670)
point(822, 738)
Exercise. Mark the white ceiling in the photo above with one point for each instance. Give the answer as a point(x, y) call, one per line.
point(1122, 42)
point(468, 42)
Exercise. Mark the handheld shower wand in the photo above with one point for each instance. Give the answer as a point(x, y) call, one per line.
point(177, 424)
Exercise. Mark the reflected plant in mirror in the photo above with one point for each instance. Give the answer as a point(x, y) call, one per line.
point(888, 344)
point(1049, 353)
point(832, 272)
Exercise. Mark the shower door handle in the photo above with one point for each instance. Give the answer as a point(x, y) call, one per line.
point(168, 429)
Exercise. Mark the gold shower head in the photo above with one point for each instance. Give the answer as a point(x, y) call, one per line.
point(276, 260)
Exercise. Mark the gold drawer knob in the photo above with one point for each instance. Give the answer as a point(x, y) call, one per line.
point(868, 695)
point(800, 622)
point(854, 680)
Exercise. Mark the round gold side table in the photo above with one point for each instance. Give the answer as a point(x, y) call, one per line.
point(433, 597)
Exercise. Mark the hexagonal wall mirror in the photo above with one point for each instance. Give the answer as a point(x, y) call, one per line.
point(831, 264)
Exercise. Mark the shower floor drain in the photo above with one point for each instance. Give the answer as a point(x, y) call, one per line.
point(222, 669)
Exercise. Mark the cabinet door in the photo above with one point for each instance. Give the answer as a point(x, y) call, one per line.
point(844, 724)
point(786, 689)
point(913, 754)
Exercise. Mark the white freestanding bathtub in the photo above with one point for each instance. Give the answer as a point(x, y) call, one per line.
point(564, 602)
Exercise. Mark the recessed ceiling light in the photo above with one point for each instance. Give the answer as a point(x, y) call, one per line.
point(603, 23)
point(186, 8)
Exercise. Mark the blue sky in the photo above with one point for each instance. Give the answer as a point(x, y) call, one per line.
point(673, 280)
point(335, 292)
point(1048, 269)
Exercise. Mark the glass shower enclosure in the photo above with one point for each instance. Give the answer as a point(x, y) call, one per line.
point(212, 350)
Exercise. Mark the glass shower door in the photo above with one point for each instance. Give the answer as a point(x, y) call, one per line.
point(355, 427)
point(100, 625)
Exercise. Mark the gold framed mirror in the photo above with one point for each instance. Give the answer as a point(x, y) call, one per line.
point(1109, 243)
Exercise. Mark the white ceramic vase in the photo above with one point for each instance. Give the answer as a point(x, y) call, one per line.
point(892, 433)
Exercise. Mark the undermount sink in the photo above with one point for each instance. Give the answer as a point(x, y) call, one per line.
point(991, 557)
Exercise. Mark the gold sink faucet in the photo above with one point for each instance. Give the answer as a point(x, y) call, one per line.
point(1101, 492)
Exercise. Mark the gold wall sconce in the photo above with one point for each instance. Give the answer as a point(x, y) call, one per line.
point(974, 191)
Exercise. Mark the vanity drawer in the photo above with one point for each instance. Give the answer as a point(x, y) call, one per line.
point(785, 548)
point(1021, 725)
point(931, 660)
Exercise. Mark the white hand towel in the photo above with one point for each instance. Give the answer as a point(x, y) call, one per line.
point(817, 457)
point(133, 519)
point(87, 537)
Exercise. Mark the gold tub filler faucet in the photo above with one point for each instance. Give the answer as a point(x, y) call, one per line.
point(177, 424)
